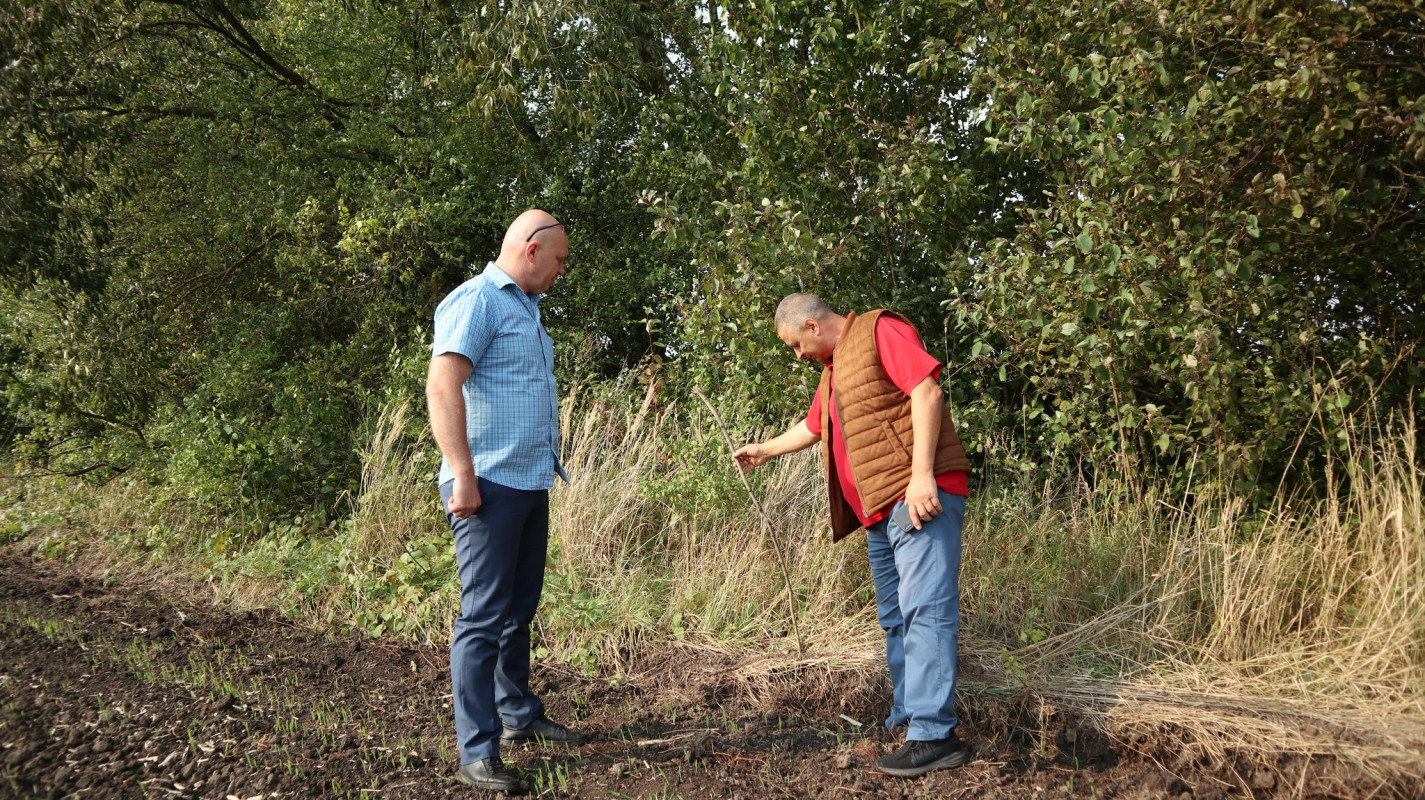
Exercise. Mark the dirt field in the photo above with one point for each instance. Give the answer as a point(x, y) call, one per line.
point(110, 689)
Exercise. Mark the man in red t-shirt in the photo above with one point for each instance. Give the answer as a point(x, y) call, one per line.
point(913, 540)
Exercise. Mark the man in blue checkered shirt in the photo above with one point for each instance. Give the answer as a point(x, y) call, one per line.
point(495, 416)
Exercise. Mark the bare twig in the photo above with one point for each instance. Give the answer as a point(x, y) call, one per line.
point(766, 526)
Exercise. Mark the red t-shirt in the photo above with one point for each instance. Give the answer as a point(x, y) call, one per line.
point(905, 362)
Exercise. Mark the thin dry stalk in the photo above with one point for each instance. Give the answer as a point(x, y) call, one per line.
point(766, 526)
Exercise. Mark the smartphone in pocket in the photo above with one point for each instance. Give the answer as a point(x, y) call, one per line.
point(902, 518)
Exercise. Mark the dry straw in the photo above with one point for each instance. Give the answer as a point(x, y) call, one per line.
point(1190, 618)
point(766, 525)
point(1193, 613)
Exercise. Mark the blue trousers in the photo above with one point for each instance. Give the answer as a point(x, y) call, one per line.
point(499, 553)
point(917, 577)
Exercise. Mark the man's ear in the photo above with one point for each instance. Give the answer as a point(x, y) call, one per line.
point(529, 249)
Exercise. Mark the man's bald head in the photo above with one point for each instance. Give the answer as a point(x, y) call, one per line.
point(796, 309)
point(534, 250)
point(525, 225)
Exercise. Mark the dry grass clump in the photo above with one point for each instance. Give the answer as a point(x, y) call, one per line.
point(1241, 630)
point(1295, 630)
point(397, 505)
point(657, 531)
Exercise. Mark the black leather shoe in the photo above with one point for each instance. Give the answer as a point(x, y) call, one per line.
point(918, 758)
point(544, 731)
point(491, 774)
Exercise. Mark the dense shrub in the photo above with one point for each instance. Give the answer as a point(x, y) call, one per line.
point(1154, 236)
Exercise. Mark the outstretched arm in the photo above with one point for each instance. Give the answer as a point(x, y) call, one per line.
point(796, 439)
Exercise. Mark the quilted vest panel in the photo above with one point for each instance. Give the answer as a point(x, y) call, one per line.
point(875, 419)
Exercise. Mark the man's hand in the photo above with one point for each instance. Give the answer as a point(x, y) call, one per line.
point(464, 497)
point(796, 439)
point(922, 498)
point(751, 455)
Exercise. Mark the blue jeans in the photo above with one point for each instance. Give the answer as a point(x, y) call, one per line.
point(499, 553)
point(917, 577)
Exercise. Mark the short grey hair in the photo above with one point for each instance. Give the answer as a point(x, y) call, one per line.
point(798, 308)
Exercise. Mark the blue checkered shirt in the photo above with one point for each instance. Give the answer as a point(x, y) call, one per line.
point(511, 409)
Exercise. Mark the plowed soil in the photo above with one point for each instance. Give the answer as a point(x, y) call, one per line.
point(116, 689)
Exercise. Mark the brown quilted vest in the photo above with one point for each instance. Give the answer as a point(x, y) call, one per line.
point(875, 419)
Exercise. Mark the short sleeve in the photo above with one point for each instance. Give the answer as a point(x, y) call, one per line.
point(903, 357)
point(814, 414)
point(463, 325)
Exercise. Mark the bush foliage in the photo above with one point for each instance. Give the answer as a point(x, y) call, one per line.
point(1136, 232)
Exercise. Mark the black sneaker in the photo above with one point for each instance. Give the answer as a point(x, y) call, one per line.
point(918, 758)
point(491, 774)
point(544, 731)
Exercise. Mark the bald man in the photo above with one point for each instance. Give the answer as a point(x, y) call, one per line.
point(495, 416)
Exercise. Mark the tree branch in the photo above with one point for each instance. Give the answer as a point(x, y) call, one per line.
point(151, 110)
point(204, 281)
point(255, 47)
point(75, 473)
point(137, 431)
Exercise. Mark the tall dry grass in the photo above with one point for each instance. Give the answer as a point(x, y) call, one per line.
point(1318, 601)
point(658, 532)
point(394, 506)
point(1296, 628)
point(1299, 628)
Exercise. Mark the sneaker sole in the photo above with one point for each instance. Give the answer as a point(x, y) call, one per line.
point(955, 759)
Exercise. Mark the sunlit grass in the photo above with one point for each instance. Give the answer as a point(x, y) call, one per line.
point(1090, 592)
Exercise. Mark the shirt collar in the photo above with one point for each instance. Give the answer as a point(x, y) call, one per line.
point(503, 280)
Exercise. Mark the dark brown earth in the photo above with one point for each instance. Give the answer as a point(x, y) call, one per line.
point(112, 689)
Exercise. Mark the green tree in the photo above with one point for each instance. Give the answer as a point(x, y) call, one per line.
point(854, 170)
point(1227, 260)
point(268, 199)
point(285, 195)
